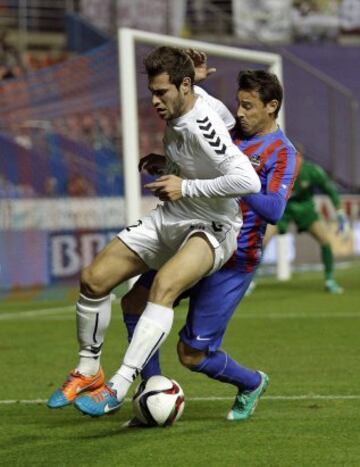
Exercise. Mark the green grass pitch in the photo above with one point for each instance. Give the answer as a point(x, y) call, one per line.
point(305, 339)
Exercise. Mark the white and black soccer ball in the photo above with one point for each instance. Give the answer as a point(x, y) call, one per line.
point(159, 401)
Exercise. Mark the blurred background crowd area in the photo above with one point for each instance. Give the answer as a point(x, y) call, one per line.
point(60, 118)
point(248, 20)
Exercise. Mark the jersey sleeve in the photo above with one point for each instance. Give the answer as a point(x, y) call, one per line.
point(283, 170)
point(213, 143)
point(219, 107)
point(322, 181)
point(282, 173)
point(269, 206)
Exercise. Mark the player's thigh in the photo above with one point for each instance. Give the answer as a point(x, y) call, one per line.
point(212, 303)
point(304, 215)
point(113, 265)
point(192, 262)
point(320, 232)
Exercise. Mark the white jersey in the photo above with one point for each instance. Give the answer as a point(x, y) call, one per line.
point(199, 149)
point(220, 108)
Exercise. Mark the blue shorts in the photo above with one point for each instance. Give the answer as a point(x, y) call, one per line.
point(212, 303)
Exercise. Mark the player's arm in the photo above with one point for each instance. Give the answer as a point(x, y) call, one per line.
point(199, 59)
point(321, 179)
point(280, 181)
point(270, 206)
point(240, 179)
point(238, 175)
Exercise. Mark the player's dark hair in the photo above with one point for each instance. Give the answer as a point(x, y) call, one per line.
point(266, 84)
point(170, 60)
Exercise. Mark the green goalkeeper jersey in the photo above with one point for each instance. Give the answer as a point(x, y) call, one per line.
point(312, 177)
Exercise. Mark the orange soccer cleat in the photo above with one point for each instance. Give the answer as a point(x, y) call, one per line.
point(75, 384)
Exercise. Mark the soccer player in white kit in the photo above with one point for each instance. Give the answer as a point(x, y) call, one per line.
point(188, 237)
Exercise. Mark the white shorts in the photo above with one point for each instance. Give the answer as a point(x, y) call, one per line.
point(157, 237)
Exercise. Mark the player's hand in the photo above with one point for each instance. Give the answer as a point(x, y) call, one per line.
point(343, 223)
point(200, 64)
point(166, 188)
point(153, 164)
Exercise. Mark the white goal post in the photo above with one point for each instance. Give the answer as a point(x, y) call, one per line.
point(127, 39)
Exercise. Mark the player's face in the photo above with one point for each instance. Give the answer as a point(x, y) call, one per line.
point(168, 100)
point(255, 117)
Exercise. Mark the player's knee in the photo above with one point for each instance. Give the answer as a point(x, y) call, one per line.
point(163, 290)
point(189, 357)
point(92, 283)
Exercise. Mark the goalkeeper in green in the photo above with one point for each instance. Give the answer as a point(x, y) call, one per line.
point(301, 210)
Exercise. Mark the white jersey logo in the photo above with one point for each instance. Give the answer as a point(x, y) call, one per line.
point(211, 136)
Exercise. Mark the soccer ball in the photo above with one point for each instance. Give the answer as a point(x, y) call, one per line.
point(159, 401)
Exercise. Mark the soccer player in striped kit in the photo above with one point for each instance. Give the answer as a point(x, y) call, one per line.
point(214, 299)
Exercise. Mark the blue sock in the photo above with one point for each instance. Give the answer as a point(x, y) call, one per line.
point(152, 367)
point(220, 366)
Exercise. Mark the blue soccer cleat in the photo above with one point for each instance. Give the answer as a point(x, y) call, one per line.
point(100, 402)
point(246, 401)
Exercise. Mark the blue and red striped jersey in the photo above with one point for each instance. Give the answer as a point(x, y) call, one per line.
point(275, 160)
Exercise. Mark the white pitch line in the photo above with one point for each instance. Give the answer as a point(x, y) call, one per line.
point(244, 316)
point(213, 399)
point(34, 313)
point(58, 313)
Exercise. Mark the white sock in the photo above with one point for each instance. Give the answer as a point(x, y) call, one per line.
point(92, 319)
point(151, 331)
